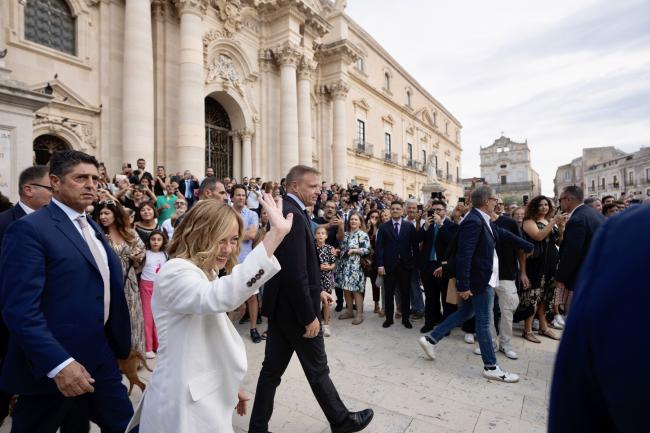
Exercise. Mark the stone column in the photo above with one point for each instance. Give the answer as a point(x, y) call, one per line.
point(191, 107)
point(137, 88)
point(288, 56)
point(304, 115)
point(247, 154)
point(339, 91)
point(236, 157)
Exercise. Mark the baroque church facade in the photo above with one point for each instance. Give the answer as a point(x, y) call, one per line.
point(248, 87)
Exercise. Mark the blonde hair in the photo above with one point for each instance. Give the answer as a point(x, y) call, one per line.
point(199, 233)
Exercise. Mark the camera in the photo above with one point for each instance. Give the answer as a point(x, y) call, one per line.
point(525, 199)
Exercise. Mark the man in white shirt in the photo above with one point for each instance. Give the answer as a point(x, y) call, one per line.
point(253, 196)
point(65, 310)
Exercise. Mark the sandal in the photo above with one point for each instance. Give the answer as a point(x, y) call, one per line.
point(548, 334)
point(531, 337)
point(358, 320)
point(346, 315)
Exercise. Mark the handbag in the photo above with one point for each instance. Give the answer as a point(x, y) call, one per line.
point(452, 294)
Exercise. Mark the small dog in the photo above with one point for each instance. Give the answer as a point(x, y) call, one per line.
point(130, 366)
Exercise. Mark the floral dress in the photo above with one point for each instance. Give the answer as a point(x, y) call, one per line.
point(326, 256)
point(131, 290)
point(540, 268)
point(349, 274)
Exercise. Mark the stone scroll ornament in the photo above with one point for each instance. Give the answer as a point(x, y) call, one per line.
point(223, 68)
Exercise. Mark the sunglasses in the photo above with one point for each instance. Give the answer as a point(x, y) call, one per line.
point(49, 188)
point(109, 202)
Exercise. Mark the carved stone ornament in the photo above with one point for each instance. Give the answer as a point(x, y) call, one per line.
point(196, 6)
point(230, 14)
point(288, 54)
point(223, 68)
point(83, 131)
point(92, 3)
point(338, 89)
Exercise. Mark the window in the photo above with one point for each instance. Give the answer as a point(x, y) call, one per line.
point(457, 136)
point(567, 175)
point(593, 185)
point(387, 143)
point(360, 65)
point(503, 165)
point(409, 151)
point(602, 182)
point(435, 115)
point(50, 23)
point(504, 180)
point(361, 132)
point(447, 172)
point(457, 174)
point(436, 162)
point(408, 98)
point(615, 180)
point(386, 81)
point(630, 175)
point(446, 128)
point(647, 174)
point(424, 157)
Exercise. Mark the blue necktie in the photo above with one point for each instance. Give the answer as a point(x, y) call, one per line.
point(432, 254)
point(396, 230)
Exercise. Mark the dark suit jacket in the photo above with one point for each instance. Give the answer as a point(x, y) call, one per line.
point(442, 240)
point(597, 388)
point(475, 254)
point(292, 296)
point(389, 248)
point(54, 307)
point(577, 238)
point(182, 188)
point(508, 266)
point(8, 217)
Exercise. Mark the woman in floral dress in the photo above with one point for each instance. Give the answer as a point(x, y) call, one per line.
point(128, 246)
point(349, 274)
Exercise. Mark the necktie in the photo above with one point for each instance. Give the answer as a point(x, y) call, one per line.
point(396, 230)
point(188, 190)
point(88, 234)
point(432, 254)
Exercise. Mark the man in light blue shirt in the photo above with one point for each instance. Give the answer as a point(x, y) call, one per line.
point(251, 224)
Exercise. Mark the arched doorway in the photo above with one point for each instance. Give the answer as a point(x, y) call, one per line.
point(218, 141)
point(45, 146)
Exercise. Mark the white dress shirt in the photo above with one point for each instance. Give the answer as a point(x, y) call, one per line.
point(73, 215)
point(25, 208)
point(494, 278)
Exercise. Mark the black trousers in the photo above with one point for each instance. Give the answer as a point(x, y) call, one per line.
point(399, 277)
point(109, 407)
point(435, 295)
point(281, 341)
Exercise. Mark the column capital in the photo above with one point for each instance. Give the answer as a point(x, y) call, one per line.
point(338, 89)
point(198, 7)
point(246, 134)
point(306, 69)
point(287, 54)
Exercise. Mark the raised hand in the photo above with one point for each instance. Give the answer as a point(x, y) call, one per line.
point(274, 210)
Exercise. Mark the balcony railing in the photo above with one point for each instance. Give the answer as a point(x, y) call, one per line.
point(591, 189)
point(362, 147)
point(390, 157)
point(450, 178)
point(630, 183)
point(440, 173)
point(512, 186)
point(425, 167)
point(412, 164)
point(614, 185)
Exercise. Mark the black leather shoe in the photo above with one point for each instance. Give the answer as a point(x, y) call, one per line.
point(426, 328)
point(407, 324)
point(339, 307)
point(255, 336)
point(387, 323)
point(356, 421)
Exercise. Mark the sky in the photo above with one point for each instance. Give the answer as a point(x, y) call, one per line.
point(562, 74)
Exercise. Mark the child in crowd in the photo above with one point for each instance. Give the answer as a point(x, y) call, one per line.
point(327, 262)
point(154, 259)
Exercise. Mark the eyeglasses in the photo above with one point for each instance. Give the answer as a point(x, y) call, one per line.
point(49, 188)
point(109, 202)
point(437, 209)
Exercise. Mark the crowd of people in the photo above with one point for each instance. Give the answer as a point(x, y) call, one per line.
point(476, 264)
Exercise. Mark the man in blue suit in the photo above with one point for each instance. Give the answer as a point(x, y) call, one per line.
point(65, 310)
point(477, 274)
point(599, 384)
point(397, 249)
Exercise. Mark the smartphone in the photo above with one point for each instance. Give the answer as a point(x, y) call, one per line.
point(461, 200)
point(430, 213)
point(420, 208)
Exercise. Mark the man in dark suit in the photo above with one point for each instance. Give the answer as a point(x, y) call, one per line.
point(598, 380)
point(435, 236)
point(65, 310)
point(292, 302)
point(34, 192)
point(583, 221)
point(477, 274)
point(186, 187)
point(397, 248)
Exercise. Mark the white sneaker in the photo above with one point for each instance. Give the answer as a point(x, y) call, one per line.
point(150, 355)
point(535, 325)
point(509, 353)
point(327, 332)
point(427, 348)
point(469, 338)
point(477, 351)
point(559, 319)
point(500, 375)
point(556, 324)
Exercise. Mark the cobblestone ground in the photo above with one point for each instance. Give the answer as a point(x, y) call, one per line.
point(385, 369)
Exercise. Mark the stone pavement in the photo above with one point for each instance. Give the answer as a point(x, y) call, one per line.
point(385, 369)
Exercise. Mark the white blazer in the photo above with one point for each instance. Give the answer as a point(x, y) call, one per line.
point(201, 358)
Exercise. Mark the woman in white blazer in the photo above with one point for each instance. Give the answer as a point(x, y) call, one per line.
point(201, 358)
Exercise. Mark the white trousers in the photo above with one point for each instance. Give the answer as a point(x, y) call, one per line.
point(508, 303)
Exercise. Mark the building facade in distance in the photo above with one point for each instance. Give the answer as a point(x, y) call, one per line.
point(248, 87)
point(506, 167)
point(625, 176)
point(572, 174)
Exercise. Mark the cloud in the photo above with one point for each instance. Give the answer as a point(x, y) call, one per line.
point(563, 74)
